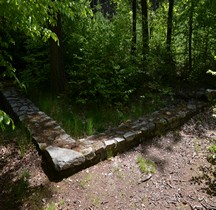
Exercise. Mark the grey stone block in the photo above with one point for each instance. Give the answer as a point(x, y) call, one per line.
point(111, 143)
point(57, 127)
point(64, 136)
point(19, 113)
point(50, 123)
point(42, 146)
point(15, 104)
point(99, 147)
point(129, 136)
point(24, 108)
point(139, 124)
point(148, 128)
point(121, 144)
point(22, 117)
point(119, 140)
point(119, 132)
point(64, 158)
point(181, 114)
point(89, 153)
point(172, 120)
point(191, 107)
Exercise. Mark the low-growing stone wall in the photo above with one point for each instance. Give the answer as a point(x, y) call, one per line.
point(67, 156)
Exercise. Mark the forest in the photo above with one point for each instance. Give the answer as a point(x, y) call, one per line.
point(108, 53)
point(93, 65)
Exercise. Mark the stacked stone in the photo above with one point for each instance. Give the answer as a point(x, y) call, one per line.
point(67, 155)
point(49, 137)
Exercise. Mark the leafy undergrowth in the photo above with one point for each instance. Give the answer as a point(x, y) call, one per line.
point(82, 120)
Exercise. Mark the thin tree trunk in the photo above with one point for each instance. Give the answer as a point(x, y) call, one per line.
point(145, 35)
point(190, 38)
point(169, 26)
point(206, 46)
point(134, 36)
point(56, 60)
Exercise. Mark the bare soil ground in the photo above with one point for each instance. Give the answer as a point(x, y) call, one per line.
point(183, 177)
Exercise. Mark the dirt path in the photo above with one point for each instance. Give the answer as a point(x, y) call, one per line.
point(183, 178)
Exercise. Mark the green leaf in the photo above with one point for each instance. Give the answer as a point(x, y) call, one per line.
point(1, 119)
point(211, 72)
point(7, 120)
point(54, 37)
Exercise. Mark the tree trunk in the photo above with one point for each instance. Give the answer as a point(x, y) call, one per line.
point(56, 60)
point(190, 38)
point(154, 4)
point(169, 26)
point(134, 36)
point(145, 35)
point(206, 43)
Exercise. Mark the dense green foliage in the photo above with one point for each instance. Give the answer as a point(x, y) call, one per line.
point(99, 64)
point(23, 24)
point(98, 60)
point(5, 120)
point(101, 67)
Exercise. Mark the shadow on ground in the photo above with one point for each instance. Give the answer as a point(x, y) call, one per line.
point(208, 176)
point(16, 171)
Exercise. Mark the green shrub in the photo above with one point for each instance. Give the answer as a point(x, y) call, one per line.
point(101, 69)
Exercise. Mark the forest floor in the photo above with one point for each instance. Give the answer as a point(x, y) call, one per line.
point(183, 177)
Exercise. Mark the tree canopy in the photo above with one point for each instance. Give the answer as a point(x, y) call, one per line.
point(107, 52)
point(33, 18)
